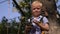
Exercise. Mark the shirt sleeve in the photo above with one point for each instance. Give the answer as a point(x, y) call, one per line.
point(45, 20)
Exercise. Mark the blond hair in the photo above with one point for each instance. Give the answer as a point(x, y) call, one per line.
point(36, 2)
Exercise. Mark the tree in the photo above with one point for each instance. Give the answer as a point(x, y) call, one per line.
point(13, 28)
point(24, 14)
point(4, 23)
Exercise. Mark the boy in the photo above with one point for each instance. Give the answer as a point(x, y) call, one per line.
point(36, 17)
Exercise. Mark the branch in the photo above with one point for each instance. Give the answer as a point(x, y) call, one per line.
point(18, 7)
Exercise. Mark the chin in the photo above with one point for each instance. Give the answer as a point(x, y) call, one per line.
point(36, 15)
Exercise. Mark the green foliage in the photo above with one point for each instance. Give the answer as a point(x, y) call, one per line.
point(12, 26)
point(26, 9)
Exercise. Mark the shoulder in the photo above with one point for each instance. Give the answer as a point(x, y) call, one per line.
point(45, 20)
point(40, 16)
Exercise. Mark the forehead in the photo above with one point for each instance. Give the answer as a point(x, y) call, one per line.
point(36, 4)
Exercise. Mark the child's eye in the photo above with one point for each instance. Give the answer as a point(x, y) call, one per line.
point(38, 8)
point(34, 8)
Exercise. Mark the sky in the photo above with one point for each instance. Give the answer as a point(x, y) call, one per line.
point(58, 3)
point(4, 10)
point(8, 13)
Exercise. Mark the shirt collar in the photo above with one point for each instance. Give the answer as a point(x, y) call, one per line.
point(37, 17)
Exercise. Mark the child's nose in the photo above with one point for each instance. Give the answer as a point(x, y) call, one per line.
point(36, 9)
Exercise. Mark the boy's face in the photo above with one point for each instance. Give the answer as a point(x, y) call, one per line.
point(36, 9)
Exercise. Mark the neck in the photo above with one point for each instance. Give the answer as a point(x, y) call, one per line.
point(36, 16)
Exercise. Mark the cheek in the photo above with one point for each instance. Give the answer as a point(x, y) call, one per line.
point(33, 10)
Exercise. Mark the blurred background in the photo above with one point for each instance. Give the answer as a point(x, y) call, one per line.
point(14, 14)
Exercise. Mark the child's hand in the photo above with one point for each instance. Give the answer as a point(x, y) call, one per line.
point(35, 21)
